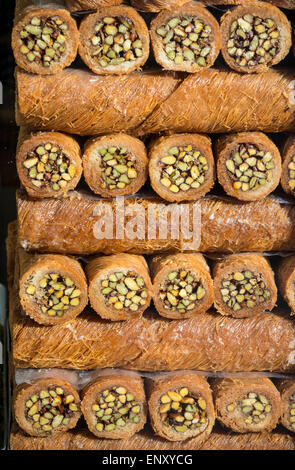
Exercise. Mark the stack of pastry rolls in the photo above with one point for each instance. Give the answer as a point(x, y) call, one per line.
point(133, 340)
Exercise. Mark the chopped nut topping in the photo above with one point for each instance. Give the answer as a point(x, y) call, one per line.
point(249, 168)
point(186, 39)
point(253, 406)
point(115, 408)
point(54, 294)
point(115, 41)
point(253, 41)
point(44, 40)
point(183, 168)
point(291, 174)
point(49, 409)
point(124, 291)
point(183, 412)
point(47, 165)
point(181, 291)
point(243, 289)
point(292, 411)
point(118, 167)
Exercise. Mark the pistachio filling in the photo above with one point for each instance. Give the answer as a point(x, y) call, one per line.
point(291, 173)
point(115, 41)
point(254, 407)
point(114, 408)
point(183, 412)
point(253, 41)
point(48, 165)
point(118, 167)
point(186, 39)
point(183, 168)
point(249, 167)
point(243, 289)
point(43, 40)
point(292, 411)
point(124, 290)
point(49, 409)
point(54, 294)
point(181, 291)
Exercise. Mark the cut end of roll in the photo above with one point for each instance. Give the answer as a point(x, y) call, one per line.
point(49, 164)
point(114, 40)
point(53, 289)
point(255, 37)
point(115, 165)
point(182, 167)
point(119, 286)
point(248, 165)
point(44, 41)
point(114, 407)
point(247, 405)
point(186, 39)
point(181, 407)
point(182, 285)
point(46, 407)
point(244, 286)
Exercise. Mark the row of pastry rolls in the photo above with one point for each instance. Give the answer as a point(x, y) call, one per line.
point(115, 39)
point(181, 166)
point(53, 288)
point(158, 5)
point(181, 405)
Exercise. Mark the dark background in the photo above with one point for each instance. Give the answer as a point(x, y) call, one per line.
point(8, 132)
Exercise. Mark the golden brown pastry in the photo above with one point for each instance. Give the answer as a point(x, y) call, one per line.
point(146, 440)
point(126, 416)
point(157, 5)
point(244, 285)
point(114, 40)
point(48, 163)
point(246, 405)
point(217, 101)
point(286, 279)
point(287, 391)
point(52, 288)
point(84, 5)
point(181, 167)
point(77, 102)
point(254, 36)
point(248, 165)
point(288, 166)
point(181, 407)
point(182, 285)
point(44, 39)
point(119, 286)
point(115, 165)
point(47, 407)
point(185, 38)
point(73, 225)
point(208, 342)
